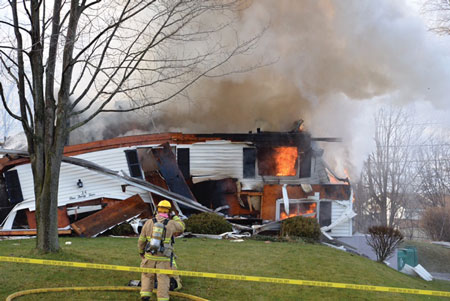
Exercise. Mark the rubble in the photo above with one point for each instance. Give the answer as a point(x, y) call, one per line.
point(254, 180)
point(418, 270)
point(226, 235)
point(109, 217)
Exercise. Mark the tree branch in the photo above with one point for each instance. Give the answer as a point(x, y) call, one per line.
point(5, 105)
point(21, 73)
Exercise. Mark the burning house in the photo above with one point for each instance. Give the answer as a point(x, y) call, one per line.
point(250, 178)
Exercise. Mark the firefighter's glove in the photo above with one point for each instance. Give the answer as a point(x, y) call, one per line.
point(168, 249)
point(142, 255)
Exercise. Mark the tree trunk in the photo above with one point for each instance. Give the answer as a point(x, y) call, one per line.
point(46, 192)
point(50, 133)
point(383, 212)
point(109, 58)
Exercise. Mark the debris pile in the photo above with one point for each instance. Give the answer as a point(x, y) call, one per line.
point(254, 180)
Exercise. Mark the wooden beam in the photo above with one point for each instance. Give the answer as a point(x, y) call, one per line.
point(110, 216)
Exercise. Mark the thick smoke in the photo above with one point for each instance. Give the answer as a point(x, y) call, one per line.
point(332, 62)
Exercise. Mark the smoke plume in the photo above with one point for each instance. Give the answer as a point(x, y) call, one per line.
point(331, 62)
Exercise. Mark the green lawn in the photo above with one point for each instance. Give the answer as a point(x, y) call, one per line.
point(251, 257)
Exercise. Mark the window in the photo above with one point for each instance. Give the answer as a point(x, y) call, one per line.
point(305, 166)
point(297, 207)
point(183, 162)
point(133, 164)
point(249, 162)
point(13, 187)
point(325, 214)
point(306, 208)
point(279, 161)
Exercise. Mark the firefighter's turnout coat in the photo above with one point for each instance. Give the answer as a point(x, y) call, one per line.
point(159, 260)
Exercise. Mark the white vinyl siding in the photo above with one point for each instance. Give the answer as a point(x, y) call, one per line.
point(26, 181)
point(94, 184)
point(217, 160)
point(344, 228)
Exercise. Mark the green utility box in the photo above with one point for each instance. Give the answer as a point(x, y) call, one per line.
point(406, 255)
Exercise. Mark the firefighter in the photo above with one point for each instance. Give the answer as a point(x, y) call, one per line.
point(156, 250)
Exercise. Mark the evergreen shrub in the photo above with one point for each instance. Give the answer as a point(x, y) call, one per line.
point(207, 223)
point(303, 227)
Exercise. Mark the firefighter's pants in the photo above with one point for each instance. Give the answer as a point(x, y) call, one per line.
point(148, 280)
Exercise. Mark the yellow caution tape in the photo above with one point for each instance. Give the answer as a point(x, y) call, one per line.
point(84, 265)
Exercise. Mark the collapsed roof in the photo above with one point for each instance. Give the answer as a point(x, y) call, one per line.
point(238, 175)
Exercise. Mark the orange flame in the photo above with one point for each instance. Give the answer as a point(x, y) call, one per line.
point(298, 209)
point(286, 160)
point(346, 173)
point(333, 180)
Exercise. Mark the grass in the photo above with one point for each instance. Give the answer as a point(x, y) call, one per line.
point(434, 258)
point(275, 259)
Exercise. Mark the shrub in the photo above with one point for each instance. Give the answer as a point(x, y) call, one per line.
point(436, 223)
point(271, 238)
point(207, 223)
point(123, 229)
point(383, 240)
point(299, 226)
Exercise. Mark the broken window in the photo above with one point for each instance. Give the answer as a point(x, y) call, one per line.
point(133, 164)
point(278, 161)
point(184, 162)
point(325, 214)
point(21, 221)
point(249, 162)
point(13, 187)
point(305, 209)
point(146, 160)
point(305, 166)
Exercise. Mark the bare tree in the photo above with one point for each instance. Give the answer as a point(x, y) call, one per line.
point(365, 217)
point(77, 58)
point(387, 172)
point(7, 122)
point(434, 173)
point(439, 13)
point(435, 222)
point(434, 186)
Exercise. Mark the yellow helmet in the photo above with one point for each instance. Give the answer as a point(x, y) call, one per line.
point(164, 204)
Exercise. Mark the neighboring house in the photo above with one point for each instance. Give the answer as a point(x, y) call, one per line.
point(250, 178)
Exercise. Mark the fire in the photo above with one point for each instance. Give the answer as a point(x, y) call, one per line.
point(286, 161)
point(333, 180)
point(300, 209)
point(347, 174)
